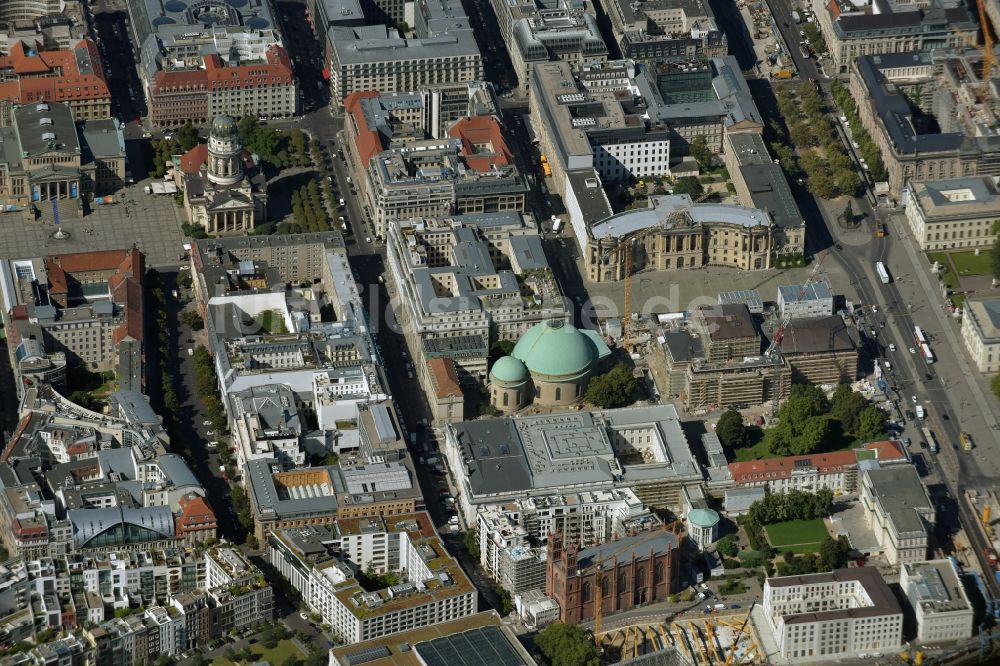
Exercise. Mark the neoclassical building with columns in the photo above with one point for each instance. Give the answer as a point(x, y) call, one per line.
point(224, 192)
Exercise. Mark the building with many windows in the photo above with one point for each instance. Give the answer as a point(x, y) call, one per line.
point(956, 213)
point(927, 116)
point(470, 171)
point(92, 310)
point(655, 31)
point(480, 275)
point(836, 471)
point(376, 57)
point(841, 614)
point(851, 30)
point(423, 585)
point(940, 603)
point(30, 73)
point(511, 536)
point(198, 60)
point(535, 34)
point(981, 332)
point(899, 511)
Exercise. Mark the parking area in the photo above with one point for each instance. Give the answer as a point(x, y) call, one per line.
point(151, 222)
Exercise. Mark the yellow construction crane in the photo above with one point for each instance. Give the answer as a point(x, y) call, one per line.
point(989, 58)
point(625, 244)
point(736, 638)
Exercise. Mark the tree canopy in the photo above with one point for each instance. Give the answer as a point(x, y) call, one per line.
point(834, 553)
point(804, 425)
point(699, 150)
point(568, 645)
point(689, 185)
point(615, 388)
point(791, 505)
point(731, 430)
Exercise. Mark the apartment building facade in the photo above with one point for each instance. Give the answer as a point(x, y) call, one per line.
point(841, 614)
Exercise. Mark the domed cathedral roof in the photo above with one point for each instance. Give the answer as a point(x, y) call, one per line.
point(557, 349)
point(508, 370)
point(224, 127)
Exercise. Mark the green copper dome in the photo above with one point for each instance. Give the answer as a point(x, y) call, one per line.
point(556, 348)
point(223, 126)
point(509, 370)
point(704, 518)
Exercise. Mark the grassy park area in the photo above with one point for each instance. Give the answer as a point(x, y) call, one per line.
point(798, 536)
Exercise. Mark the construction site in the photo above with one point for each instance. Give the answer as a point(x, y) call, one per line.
point(715, 639)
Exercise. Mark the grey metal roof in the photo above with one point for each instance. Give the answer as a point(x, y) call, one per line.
point(134, 408)
point(102, 139)
point(46, 127)
point(623, 550)
point(375, 44)
point(176, 469)
point(800, 293)
point(589, 195)
point(89, 523)
point(902, 496)
point(663, 211)
point(769, 191)
point(266, 497)
point(117, 460)
point(495, 460)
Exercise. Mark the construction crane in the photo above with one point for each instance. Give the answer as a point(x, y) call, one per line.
point(736, 638)
point(989, 58)
point(774, 349)
point(625, 244)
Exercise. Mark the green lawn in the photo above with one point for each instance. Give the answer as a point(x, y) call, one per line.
point(949, 277)
point(271, 322)
point(756, 452)
point(277, 656)
point(967, 263)
point(798, 536)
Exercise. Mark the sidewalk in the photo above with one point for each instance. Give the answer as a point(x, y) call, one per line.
point(931, 291)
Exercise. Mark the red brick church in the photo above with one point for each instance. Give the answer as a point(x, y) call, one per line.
point(634, 571)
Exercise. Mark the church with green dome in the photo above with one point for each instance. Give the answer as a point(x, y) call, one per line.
point(549, 367)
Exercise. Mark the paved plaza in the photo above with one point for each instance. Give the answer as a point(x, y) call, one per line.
point(152, 223)
point(655, 292)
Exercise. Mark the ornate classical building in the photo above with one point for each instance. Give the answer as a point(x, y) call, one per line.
point(223, 192)
point(550, 366)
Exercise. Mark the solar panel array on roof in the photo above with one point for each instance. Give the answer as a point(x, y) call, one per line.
point(475, 647)
point(805, 462)
point(368, 654)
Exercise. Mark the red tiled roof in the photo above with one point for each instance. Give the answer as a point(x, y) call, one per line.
point(367, 140)
point(217, 76)
point(126, 290)
point(124, 283)
point(103, 260)
point(781, 468)
point(482, 131)
point(21, 426)
point(36, 75)
point(886, 450)
point(195, 515)
point(19, 311)
point(445, 377)
point(192, 160)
